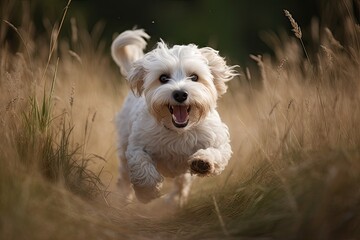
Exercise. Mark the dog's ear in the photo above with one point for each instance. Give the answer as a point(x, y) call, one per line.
point(219, 69)
point(136, 77)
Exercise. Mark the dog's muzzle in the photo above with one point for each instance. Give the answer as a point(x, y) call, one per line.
point(180, 112)
point(180, 115)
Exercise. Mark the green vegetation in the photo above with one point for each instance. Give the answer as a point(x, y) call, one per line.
point(295, 172)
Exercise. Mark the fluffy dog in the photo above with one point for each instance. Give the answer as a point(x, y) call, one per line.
point(169, 126)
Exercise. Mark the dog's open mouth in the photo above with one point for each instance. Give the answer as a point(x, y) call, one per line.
point(180, 115)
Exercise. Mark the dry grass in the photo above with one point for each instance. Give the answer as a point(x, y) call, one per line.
point(295, 172)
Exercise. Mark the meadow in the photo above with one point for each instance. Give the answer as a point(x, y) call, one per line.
point(294, 174)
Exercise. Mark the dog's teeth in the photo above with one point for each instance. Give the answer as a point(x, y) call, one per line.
point(171, 109)
point(188, 110)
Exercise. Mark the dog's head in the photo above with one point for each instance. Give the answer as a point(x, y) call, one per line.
point(180, 84)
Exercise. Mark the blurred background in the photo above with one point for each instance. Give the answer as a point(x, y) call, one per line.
point(235, 28)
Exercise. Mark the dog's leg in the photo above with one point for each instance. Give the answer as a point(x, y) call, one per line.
point(124, 180)
point(144, 176)
point(210, 161)
point(180, 193)
point(184, 185)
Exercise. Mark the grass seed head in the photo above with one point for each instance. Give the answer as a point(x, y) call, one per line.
point(296, 28)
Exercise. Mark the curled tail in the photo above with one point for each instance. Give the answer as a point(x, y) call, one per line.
point(127, 48)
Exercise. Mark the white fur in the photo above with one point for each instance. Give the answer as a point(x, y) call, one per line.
point(151, 146)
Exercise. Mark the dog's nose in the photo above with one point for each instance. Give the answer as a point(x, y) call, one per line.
point(180, 95)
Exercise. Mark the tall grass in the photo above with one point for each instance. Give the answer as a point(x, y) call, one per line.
point(295, 172)
point(44, 166)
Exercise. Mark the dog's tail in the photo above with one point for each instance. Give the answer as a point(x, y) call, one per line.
point(127, 48)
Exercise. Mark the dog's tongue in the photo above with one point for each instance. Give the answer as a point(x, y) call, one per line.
point(180, 113)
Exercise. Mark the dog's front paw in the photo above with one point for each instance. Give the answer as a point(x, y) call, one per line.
point(147, 193)
point(200, 167)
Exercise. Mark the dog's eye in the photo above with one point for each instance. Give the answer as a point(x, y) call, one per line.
point(164, 78)
point(194, 77)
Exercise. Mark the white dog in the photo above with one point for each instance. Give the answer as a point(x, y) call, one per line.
point(169, 126)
